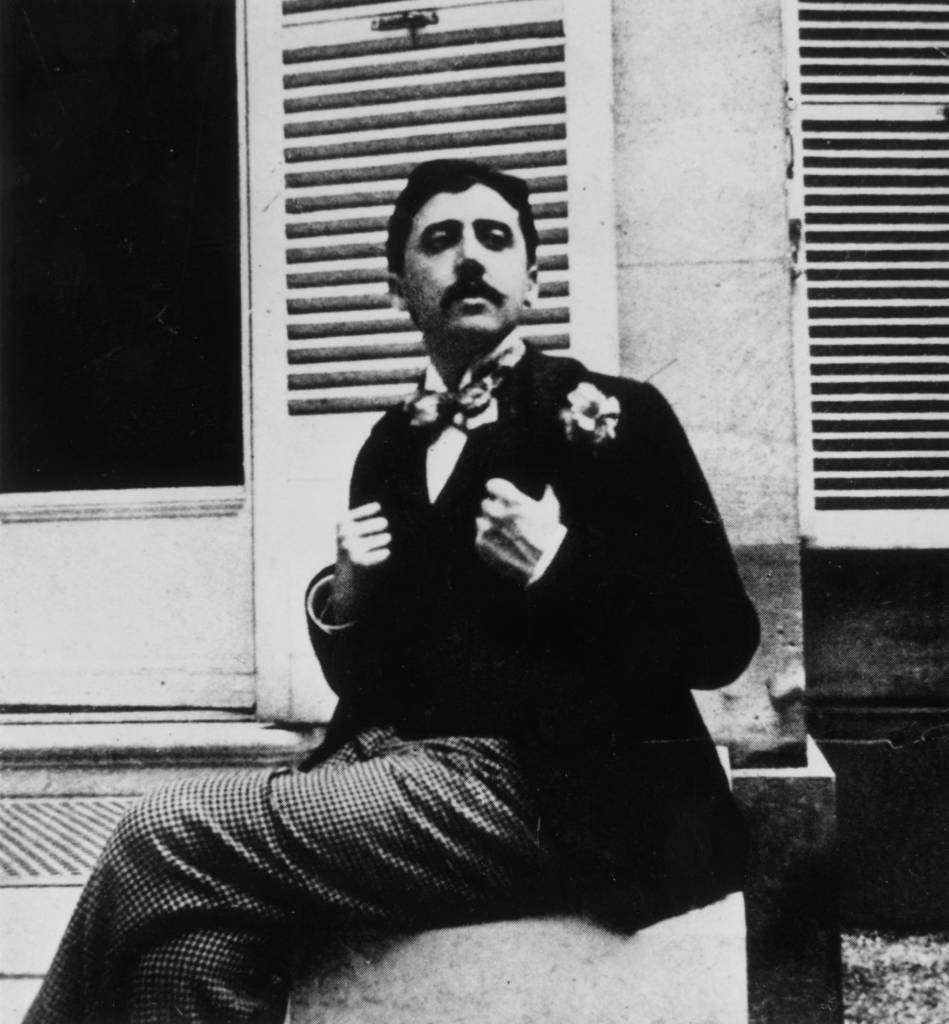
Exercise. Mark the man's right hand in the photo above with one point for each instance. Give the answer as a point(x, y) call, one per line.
point(362, 543)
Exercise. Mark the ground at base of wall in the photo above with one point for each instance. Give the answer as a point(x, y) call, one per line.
point(892, 977)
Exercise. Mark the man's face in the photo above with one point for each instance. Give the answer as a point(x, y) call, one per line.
point(466, 279)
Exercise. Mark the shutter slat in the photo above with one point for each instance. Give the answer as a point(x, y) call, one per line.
point(842, 14)
point(876, 274)
point(420, 143)
point(898, 387)
point(362, 250)
point(893, 464)
point(865, 369)
point(369, 300)
point(900, 406)
point(882, 444)
point(879, 350)
point(887, 3)
point(545, 261)
point(351, 403)
point(878, 291)
point(882, 483)
point(345, 328)
point(863, 69)
point(882, 199)
point(879, 163)
point(887, 503)
point(876, 181)
point(346, 201)
point(880, 331)
point(862, 312)
point(922, 234)
point(404, 43)
point(433, 66)
point(426, 91)
point(399, 171)
point(351, 378)
point(430, 116)
point(379, 275)
point(308, 6)
point(921, 52)
point(362, 225)
point(317, 204)
point(844, 426)
point(910, 35)
point(345, 353)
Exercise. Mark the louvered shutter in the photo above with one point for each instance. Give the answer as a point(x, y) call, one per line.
point(397, 86)
point(338, 113)
point(872, 177)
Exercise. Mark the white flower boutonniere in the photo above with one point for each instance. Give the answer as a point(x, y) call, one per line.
point(425, 409)
point(591, 416)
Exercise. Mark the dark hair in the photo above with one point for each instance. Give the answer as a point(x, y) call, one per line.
point(434, 176)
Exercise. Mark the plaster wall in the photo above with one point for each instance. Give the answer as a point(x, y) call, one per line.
point(704, 303)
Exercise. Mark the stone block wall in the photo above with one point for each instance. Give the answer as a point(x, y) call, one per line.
point(703, 273)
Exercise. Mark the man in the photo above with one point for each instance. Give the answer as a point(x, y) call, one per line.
point(531, 578)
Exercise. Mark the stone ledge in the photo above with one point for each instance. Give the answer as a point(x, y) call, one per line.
point(545, 970)
point(117, 756)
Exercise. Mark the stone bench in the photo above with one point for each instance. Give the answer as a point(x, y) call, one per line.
point(545, 970)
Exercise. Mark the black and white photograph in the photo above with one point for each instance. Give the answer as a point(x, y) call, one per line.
point(474, 512)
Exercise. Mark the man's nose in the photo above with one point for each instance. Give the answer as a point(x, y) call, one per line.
point(469, 269)
point(468, 253)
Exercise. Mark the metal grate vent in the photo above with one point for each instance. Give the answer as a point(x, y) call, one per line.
point(54, 840)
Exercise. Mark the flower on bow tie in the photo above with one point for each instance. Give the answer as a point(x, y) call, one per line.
point(591, 417)
point(430, 408)
point(426, 408)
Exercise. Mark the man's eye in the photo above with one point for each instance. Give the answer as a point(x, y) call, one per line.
point(496, 237)
point(438, 239)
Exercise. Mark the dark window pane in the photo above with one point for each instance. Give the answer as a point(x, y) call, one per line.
point(120, 331)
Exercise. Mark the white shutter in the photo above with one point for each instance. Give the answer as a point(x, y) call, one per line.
point(338, 113)
point(871, 145)
point(477, 81)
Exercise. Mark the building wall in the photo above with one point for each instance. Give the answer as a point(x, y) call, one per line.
point(703, 274)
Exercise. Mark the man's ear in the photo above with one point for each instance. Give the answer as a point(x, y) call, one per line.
point(396, 293)
point(531, 297)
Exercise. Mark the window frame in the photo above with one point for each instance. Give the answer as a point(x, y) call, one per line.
point(173, 502)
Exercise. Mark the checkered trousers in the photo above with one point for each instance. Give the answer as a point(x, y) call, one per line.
point(205, 887)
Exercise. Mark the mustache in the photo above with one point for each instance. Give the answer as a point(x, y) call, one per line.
point(466, 289)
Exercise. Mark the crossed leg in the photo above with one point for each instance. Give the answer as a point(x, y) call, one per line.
point(201, 893)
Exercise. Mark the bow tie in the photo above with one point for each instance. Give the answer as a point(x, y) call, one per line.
point(439, 408)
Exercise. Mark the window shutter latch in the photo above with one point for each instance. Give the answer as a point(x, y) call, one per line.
point(405, 21)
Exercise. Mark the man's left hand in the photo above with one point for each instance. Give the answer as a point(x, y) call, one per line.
point(514, 532)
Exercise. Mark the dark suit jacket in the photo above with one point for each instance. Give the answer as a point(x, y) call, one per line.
point(589, 669)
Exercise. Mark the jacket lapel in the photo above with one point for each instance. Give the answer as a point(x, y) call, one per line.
point(507, 448)
point(524, 446)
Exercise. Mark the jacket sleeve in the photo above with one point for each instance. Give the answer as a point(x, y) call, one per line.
point(349, 658)
point(646, 576)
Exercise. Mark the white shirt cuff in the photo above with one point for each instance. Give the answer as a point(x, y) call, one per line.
point(317, 599)
point(549, 554)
